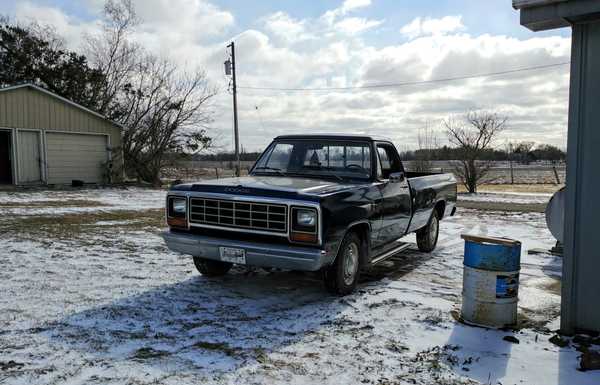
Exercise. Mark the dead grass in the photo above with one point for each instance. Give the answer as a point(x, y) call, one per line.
point(503, 206)
point(77, 225)
point(553, 286)
point(519, 188)
point(57, 203)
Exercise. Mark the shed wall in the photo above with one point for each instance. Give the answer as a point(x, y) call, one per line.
point(30, 108)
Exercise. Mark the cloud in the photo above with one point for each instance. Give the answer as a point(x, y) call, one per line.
point(283, 26)
point(328, 50)
point(69, 27)
point(351, 5)
point(347, 6)
point(356, 25)
point(428, 26)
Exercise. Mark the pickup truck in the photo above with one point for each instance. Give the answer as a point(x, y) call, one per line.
point(330, 203)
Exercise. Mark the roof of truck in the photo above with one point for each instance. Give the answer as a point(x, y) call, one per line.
point(336, 137)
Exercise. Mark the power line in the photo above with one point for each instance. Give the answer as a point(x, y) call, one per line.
point(409, 83)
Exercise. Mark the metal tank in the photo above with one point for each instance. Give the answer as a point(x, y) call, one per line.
point(490, 281)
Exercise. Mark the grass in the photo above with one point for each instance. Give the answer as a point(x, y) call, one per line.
point(76, 225)
point(503, 206)
point(55, 203)
point(518, 188)
point(222, 347)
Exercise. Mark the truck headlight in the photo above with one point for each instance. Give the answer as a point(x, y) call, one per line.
point(306, 218)
point(179, 207)
point(305, 225)
point(177, 212)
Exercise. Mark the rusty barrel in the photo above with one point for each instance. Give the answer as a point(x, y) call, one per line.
point(490, 281)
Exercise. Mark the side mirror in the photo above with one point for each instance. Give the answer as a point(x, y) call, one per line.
point(396, 177)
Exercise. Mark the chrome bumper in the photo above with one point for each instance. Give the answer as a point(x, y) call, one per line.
point(257, 254)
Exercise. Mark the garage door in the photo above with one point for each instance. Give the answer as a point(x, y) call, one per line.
point(75, 156)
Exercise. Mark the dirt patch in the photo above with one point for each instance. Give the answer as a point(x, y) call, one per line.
point(75, 225)
point(149, 353)
point(503, 206)
point(56, 203)
point(552, 286)
point(215, 346)
point(518, 188)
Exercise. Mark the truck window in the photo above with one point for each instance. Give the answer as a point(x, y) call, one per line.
point(388, 161)
point(310, 157)
point(280, 156)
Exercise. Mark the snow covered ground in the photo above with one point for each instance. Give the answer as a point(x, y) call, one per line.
point(90, 295)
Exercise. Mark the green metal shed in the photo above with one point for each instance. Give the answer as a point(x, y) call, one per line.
point(47, 139)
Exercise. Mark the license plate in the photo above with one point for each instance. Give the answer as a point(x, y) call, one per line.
point(233, 255)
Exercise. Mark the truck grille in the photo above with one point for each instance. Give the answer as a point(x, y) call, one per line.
point(245, 215)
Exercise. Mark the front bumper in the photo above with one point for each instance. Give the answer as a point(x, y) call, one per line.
point(287, 257)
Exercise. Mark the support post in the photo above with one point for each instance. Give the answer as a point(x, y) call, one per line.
point(580, 283)
point(235, 117)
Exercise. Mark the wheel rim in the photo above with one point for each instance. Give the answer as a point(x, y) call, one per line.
point(350, 263)
point(433, 229)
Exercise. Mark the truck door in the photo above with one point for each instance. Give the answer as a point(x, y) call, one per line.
point(396, 202)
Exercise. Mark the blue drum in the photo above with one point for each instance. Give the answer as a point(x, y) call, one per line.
point(491, 281)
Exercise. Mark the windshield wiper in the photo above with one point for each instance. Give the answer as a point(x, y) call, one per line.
point(277, 170)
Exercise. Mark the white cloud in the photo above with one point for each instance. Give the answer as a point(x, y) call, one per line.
point(351, 5)
point(70, 28)
point(356, 25)
point(282, 26)
point(328, 51)
point(347, 6)
point(428, 26)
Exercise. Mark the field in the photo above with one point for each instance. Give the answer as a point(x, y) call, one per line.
point(90, 295)
point(524, 175)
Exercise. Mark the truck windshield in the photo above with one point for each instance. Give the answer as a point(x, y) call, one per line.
point(340, 159)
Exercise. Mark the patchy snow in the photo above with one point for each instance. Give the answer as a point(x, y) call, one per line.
point(116, 307)
point(48, 202)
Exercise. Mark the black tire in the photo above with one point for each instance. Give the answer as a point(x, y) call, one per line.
point(341, 277)
point(427, 237)
point(211, 268)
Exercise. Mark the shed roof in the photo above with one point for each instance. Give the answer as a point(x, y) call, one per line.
point(54, 95)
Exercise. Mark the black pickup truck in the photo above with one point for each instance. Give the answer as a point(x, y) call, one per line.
point(334, 203)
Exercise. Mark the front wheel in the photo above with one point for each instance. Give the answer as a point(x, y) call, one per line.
point(341, 277)
point(427, 237)
point(210, 268)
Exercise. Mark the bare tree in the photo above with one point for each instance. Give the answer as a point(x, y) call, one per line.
point(524, 151)
point(164, 111)
point(427, 143)
point(163, 108)
point(113, 53)
point(473, 135)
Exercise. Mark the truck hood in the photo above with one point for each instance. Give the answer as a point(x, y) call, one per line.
point(270, 186)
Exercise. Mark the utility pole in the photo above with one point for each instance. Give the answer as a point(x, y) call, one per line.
point(230, 70)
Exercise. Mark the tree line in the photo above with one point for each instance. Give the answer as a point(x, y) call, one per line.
point(524, 153)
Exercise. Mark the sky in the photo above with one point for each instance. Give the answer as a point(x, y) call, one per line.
point(349, 43)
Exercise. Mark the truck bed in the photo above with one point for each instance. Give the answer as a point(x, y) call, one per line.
point(428, 188)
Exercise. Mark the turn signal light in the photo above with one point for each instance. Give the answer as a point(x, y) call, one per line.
point(303, 237)
point(177, 222)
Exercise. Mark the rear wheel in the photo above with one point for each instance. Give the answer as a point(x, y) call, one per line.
point(427, 237)
point(341, 277)
point(211, 268)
